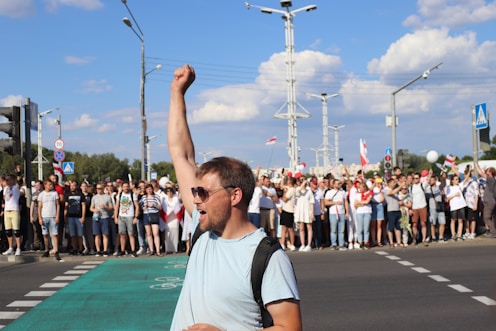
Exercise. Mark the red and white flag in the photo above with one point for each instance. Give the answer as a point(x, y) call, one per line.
point(57, 170)
point(363, 154)
point(449, 161)
point(271, 141)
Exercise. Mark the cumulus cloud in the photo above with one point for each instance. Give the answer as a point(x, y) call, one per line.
point(53, 5)
point(11, 100)
point(451, 13)
point(106, 128)
point(84, 121)
point(236, 103)
point(95, 86)
point(17, 8)
point(79, 60)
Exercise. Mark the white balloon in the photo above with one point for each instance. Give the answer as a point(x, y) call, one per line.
point(163, 181)
point(432, 156)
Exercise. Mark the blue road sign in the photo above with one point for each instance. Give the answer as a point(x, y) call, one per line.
point(389, 151)
point(68, 168)
point(481, 120)
point(59, 155)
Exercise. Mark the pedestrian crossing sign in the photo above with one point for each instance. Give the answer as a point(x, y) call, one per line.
point(68, 168)
point(481, 120)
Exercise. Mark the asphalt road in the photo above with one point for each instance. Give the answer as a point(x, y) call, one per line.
point(441, 287)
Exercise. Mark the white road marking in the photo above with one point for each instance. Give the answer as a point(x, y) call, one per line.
point(58, 278)
point(421, 270)
point(40, 294)
point(24, 303)
point(460, 288)
point(439, 278)
point(75, 272)
point(85, 266)
point(10, 315)
point(56, 285)
point(393, 257)
point(485, 300)
point(382, 253)
point(406, 263)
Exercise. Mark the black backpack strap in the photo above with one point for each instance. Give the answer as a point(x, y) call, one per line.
point(194, 238)
point(261, 258)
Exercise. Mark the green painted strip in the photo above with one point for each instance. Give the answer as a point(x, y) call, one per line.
point(121, 294)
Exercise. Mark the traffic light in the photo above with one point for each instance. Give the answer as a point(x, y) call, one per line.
point(387, 162)
point(12, 128)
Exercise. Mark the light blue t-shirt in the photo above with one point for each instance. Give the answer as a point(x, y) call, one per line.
point(217, 286)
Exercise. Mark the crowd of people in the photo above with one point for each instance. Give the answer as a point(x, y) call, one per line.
point(398, 210)
point(108, 218)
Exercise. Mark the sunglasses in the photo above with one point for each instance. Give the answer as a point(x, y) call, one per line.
point(203, 194)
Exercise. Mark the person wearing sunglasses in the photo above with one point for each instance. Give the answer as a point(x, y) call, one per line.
point(217, 287)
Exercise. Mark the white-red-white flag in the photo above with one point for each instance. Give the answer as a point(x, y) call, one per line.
point(271, 141)
point(449, 161)
point(57, 170)
point(363, 154)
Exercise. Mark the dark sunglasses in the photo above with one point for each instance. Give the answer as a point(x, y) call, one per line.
point(204, 194)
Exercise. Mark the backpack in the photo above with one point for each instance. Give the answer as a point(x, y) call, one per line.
point(261, 258)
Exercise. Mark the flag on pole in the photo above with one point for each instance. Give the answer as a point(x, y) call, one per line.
point(449, 161)
point(363, 154)
point(271, 141)
point(57, 170)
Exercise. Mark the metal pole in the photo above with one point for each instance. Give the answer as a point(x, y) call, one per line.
point(393, 129)
point(40, 149)
point(144, 163)
point(59, 123)
point(475, 145)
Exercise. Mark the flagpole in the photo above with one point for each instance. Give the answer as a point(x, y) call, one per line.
point(270, 156)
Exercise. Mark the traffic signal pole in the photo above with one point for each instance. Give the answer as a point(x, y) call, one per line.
point(28, 170)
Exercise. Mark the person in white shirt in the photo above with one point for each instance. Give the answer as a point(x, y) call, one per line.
point(126, 217)
point(457, 207)
point(12, 218)
point(419, 207)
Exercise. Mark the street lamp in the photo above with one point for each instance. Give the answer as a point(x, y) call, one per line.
point(317, 165)
point(394, 124)
point(291, 115)
point(141, 37)
point(336, 129)
point(40, 141)
point(148, 158)
point(205, 154)
point(325, 125)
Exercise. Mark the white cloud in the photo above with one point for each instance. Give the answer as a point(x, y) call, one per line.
point(79, 60)
point(451, 13)
point(243, 102)
point(11, 100)
point(95, 86)
point(52, 5)
point(84, 121)
point(106, 128)
point(17, 8)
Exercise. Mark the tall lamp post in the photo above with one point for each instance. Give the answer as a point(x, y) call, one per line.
point(141, 37)
point(40, 141)
point(325, 125)
point(394, 124)
point(291, 115)
point(336, 129)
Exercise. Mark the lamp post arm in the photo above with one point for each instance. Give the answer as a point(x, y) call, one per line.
point(134, 20)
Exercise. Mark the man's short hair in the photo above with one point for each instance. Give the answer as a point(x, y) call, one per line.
point(231, 172)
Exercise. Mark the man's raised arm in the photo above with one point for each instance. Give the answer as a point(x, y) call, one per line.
point(181, 147)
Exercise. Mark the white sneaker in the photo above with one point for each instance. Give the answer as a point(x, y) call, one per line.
point(302, 248)
point(140, 251)
point(9, 251)
point(356, 246)
point(18, 252)
point(307, 249)
point(350, 246)
point(292, 248)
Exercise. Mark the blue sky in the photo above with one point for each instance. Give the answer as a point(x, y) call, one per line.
point(79, 56)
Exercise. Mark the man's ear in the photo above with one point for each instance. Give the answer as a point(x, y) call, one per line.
point(236, 196)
